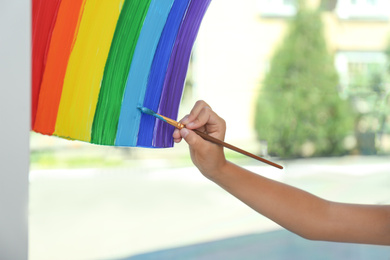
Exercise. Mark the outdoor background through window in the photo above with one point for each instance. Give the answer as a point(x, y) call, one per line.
point(307, 88)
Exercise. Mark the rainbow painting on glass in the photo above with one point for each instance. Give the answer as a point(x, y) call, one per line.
point(95, 61)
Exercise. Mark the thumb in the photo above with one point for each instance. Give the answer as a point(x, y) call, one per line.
point(191, 138)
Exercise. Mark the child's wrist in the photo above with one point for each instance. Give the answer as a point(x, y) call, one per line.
point(218, 172)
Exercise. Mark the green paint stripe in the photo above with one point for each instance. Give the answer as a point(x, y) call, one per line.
point(116, 71)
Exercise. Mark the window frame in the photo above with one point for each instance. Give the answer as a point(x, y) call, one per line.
point(344, 60)
point(363, 10)
point(276, 8)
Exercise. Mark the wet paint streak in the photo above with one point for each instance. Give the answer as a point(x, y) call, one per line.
point(130, 116)
point(61, 45)
point(116, 71)
point(158, 71)
point(96, 61)
point(85, 69)
point(44, 15)
point(177, 70)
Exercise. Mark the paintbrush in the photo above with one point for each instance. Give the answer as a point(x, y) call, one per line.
point(206, 136)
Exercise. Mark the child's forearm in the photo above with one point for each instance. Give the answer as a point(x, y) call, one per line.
point(290, 207)
point(303, 213)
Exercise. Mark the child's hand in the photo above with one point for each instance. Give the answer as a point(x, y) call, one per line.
point(207, 156)
point(313, 218)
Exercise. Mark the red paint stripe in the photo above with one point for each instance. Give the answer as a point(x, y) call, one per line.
point(44, 13)
point(62, 41)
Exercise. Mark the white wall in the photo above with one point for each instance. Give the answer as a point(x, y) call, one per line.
point(226, 68)
point(14, 127)
point(232, 51)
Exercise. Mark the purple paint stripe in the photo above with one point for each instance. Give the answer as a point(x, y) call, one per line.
point(177, 71)
point(158, 71)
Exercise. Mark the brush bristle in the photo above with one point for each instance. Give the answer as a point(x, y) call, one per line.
point(146, 110)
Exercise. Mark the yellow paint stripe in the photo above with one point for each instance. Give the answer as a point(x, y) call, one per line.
point(85, 69)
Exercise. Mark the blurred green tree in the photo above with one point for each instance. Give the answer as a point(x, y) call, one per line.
point(387, 52)
point(385, 106)
point(298, 111)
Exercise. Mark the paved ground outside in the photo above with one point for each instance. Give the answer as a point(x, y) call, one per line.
point(150, 212)
point(274, 245)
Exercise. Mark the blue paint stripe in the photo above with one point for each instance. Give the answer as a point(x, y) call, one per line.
point(158, 71)
point(177, 71)
point(130, 116)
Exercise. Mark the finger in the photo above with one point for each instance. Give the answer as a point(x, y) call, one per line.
point(184, 119)
point(176, 134)
point(202, 118)
point(199, 105)
point(177, 140)
point(209, 119)
point(190, 137)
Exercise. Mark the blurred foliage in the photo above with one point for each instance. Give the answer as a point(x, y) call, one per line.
point(299, 112)
point(387, 52)
point(369, 91)
point(49, 159)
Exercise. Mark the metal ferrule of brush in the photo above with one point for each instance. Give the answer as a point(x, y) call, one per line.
point(172, 122)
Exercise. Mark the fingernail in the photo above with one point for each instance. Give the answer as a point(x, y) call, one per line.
point(190, 124)
point(184, 120)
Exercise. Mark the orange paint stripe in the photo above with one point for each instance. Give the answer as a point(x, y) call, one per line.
point(62, 41)
point(44, 15)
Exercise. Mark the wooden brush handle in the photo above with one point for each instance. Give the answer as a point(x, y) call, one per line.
point(219, 142)
point(234, 148)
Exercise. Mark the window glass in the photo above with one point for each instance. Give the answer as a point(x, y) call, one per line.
point(363, 9)
point(277, 8)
